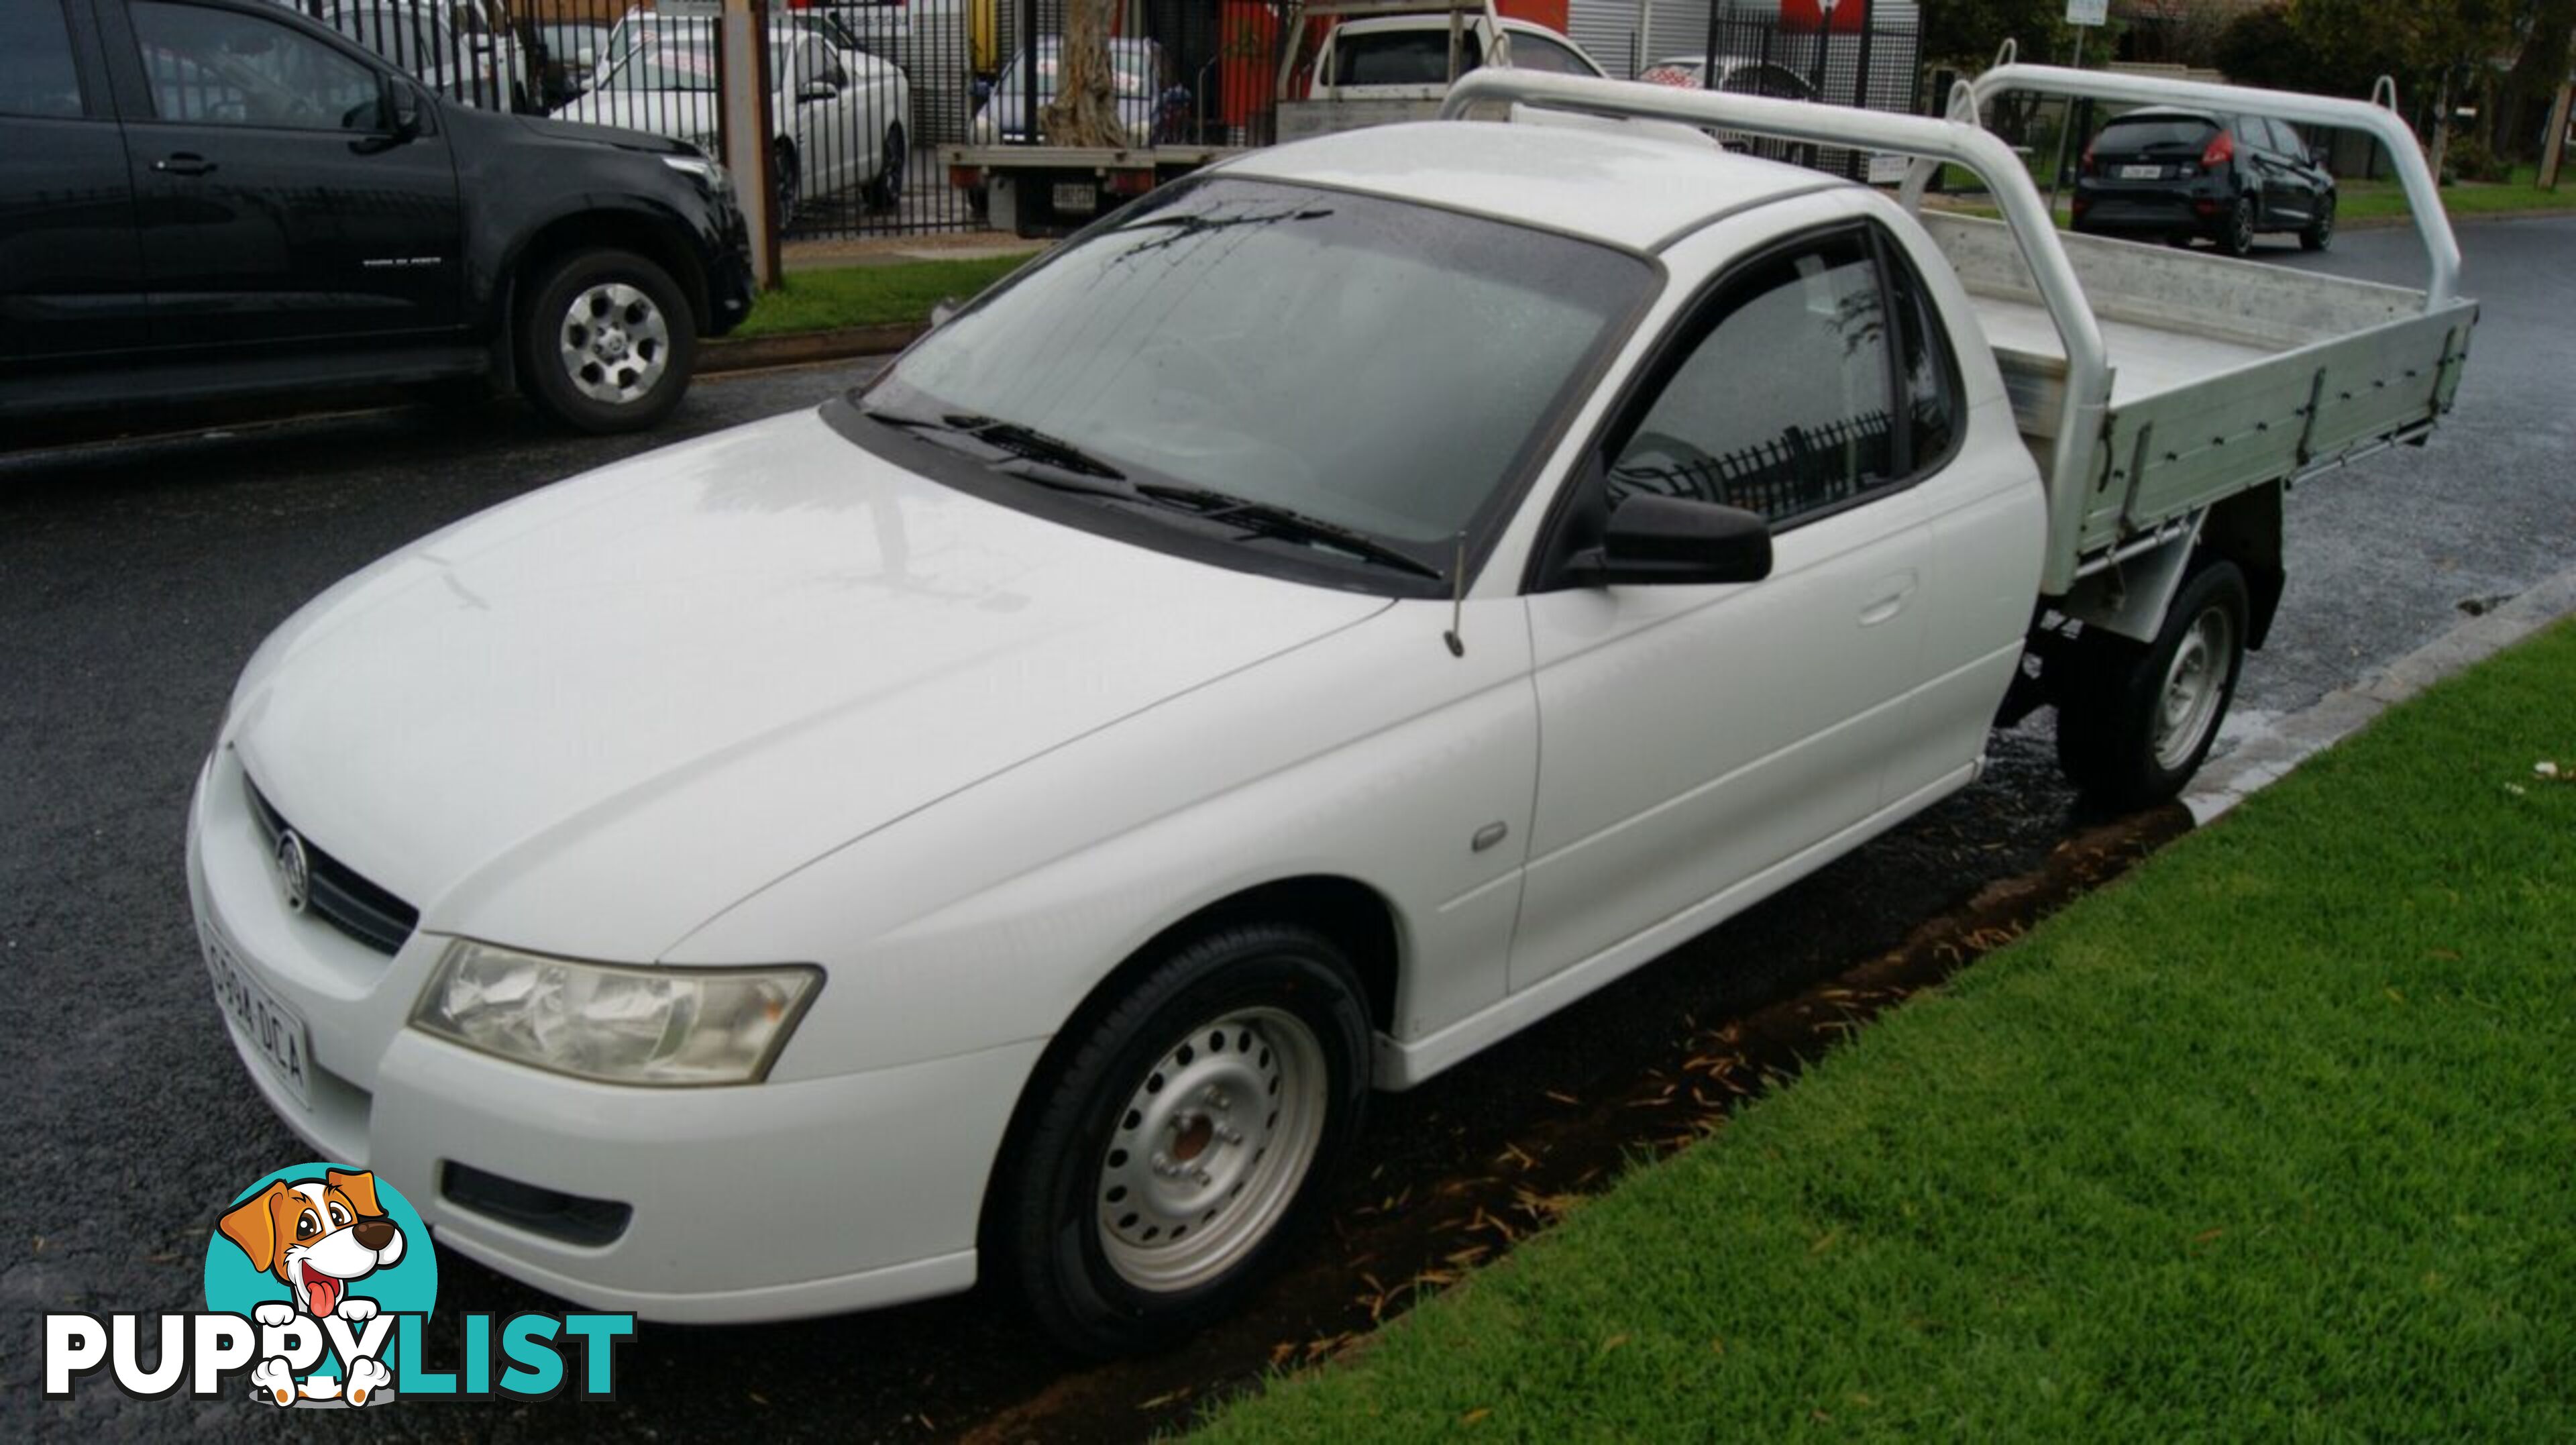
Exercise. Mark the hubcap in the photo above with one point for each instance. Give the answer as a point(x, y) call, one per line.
point(2194, 683)
point(615, 344)
point(1207, 1154)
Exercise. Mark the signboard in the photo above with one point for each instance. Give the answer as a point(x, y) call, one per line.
point(1844, 15)
point(2083, 12)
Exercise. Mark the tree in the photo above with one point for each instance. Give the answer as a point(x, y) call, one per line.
point(1967, 32)
point(1085, 109)
point(2537, 73)
point(2180, 32)
point(2439, 44)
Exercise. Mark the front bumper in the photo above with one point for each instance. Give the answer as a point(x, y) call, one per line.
point(758, 1202)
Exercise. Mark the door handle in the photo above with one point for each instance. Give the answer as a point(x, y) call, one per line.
point(183, 164)
point(1897, 590)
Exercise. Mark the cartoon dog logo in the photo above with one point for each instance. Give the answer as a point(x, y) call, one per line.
point(318, 1236)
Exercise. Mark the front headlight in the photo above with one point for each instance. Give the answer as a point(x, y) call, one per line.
point(701, 169)
point(615, 1024)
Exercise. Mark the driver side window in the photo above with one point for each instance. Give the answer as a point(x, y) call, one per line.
point(1783, 405)
point(219, 67)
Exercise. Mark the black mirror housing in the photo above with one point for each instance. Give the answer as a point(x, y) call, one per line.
point(1655, 540)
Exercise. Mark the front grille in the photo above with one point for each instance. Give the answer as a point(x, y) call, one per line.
point(339, 896)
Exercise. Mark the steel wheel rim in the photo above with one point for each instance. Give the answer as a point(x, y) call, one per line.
point(614, 343)
point(2187, 706)
point(1207, 1154)
point(2241, 232)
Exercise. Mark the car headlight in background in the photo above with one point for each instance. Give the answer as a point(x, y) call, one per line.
point(620, 1025)
point(701, 169)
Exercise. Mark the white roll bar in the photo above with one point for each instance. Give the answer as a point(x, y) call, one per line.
point(1958, 141)
point(2432, 223)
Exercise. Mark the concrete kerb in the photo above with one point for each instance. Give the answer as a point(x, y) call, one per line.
point(2266, 756)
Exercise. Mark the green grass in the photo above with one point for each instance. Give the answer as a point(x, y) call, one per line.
point(2355, 199)
point(870, 295)
point(2276, 1139)
point(2360, 199)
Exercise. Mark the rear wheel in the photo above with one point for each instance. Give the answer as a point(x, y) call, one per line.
point(607, 342)
point(2236, 237)
point(2319, 233)
point(2134, 721)
point(1174, 1140)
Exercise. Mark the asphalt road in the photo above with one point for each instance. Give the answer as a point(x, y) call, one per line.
point(135, 580)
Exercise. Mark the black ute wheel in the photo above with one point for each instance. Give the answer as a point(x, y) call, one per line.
point(1173, 1139)
point(607, 342)
point(2134, 722)
point(2319, 232)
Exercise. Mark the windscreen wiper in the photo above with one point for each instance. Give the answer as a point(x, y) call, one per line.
point(1008, 437)
point(1278, 521)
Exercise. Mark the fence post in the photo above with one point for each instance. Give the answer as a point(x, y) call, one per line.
point(742, 119)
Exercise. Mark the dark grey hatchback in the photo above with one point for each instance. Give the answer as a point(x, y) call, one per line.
point(2181, 174)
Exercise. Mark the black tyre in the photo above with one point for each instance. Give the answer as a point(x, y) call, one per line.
point(886, 191)
point(2319, 232)
point(2236, 235)
point(1174, 1139)
point(785, 174)
point(607, 342)
point(2133, 721)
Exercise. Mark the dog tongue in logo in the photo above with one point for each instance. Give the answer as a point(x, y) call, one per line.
point(322, 1290)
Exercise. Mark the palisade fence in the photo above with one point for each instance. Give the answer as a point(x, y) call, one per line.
point(865, 93)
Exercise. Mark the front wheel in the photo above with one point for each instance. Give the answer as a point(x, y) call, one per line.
point(1176, 1138)
point(886, 191)
point(607, 342)
point(2134, 722)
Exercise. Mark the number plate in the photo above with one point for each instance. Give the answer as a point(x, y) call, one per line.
point(2142, 173)
point(1076, 198)
point(273, 1029)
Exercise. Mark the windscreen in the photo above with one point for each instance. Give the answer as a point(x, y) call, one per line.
point(1400, 57)
point(1374, 363)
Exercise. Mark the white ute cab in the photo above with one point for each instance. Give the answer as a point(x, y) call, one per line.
point(1320, 620)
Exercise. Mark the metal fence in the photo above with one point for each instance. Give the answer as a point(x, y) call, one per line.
point(865, 92)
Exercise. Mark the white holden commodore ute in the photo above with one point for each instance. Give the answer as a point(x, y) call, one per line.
point(1324, 617)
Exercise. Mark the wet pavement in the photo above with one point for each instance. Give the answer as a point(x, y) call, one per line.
point(135, 579)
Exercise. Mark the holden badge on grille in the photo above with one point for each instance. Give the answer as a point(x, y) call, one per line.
point(294, 870)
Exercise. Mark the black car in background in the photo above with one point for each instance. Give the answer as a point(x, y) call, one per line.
point(213, 199)
point(2181, 174)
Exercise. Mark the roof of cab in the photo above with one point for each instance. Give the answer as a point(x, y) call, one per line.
point(1637, 190)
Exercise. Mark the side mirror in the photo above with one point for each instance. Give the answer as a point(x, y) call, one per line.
point(397, 118)
point(814, 90)
point(1652, 540)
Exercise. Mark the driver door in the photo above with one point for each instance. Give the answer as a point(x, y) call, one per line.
point(272, 209)
point(1698, 742)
